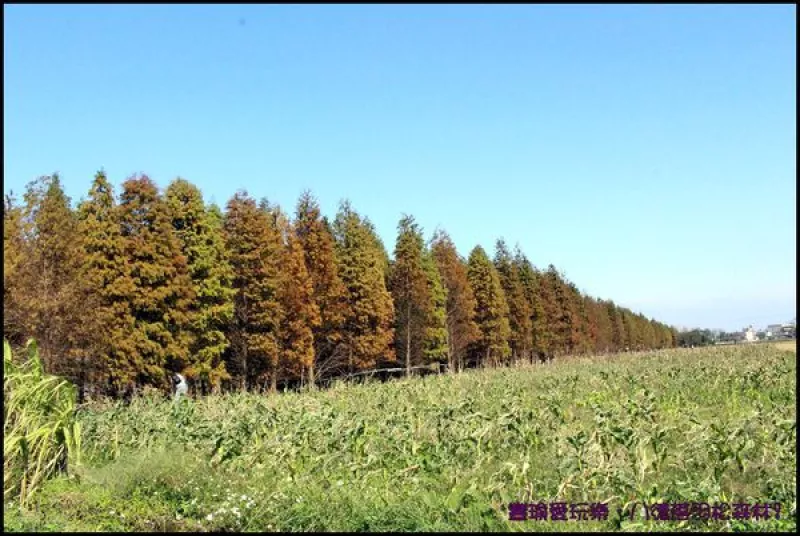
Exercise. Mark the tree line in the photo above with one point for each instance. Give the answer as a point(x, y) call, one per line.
point(124, 290)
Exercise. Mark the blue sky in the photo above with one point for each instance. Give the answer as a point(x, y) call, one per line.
point(649, 152)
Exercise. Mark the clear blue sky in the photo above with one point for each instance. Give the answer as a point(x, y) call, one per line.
point(649, 152)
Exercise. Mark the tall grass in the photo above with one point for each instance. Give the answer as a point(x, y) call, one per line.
point(39, 427)
point(446, 452)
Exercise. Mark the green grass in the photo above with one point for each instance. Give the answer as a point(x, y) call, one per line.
point(444, 452)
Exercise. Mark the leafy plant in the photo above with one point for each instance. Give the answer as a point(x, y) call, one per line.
point(40, 433)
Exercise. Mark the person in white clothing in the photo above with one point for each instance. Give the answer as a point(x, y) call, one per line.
point(180, 385)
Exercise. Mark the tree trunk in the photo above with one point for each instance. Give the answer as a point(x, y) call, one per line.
point(82, 380)
point(450, 354)
point(244, 369)
point(408, 339)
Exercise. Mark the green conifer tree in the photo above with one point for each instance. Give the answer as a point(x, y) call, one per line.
point(200, 236)
point(435, 348)
point(106, 270)
point(519, 307)
point(408, 284)
point(254, 250)
point(532, 291)
point(163, 293)
point(367, 331)
point(491, 313)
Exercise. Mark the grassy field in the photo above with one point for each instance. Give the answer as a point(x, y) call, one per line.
point(445, 452)
point(786, 345)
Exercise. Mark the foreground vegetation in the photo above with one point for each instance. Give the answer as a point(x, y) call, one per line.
point(443, 452)
point(39, 429)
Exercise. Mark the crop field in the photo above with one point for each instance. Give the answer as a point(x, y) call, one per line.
point(446, 452)
point(787, 345)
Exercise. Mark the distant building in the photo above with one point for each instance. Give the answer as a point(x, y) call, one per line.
point(750, 335)
point(780, 331)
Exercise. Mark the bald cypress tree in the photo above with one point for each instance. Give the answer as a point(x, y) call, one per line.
point(491, 312)
point(215, 217)
point(162, 294)
point(666, 335)
point(377, 244)
point(568, 319)
point(367, 331)
point(301, 313)
point(46, 274)
point(618, 337)
point(576, 335)
point(106, 272)
point(673, 337)
point(200, 236)
point(549, 339)
point(316, 239)
point(254, 250)
point(560, 314)
point(669, 342)
point(573, 322)
point(604, 342)
point(435, 346)
point(461, 328)
point(408, 284)
point(519, 307)
point(633, 335)
point(646, 332)
point(13, 245)
point(588, 324)
point(534, 295)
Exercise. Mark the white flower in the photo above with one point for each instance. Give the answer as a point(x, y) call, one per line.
point(244, 497)
point(209, 517)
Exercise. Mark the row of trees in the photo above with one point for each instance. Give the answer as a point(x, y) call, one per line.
point(121, 291)
point(698, 337)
